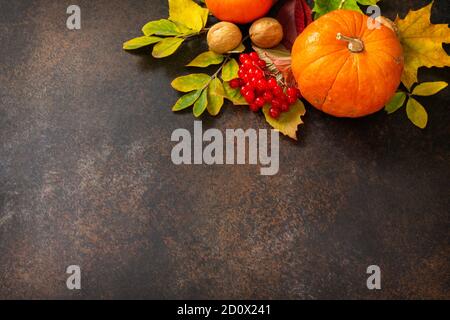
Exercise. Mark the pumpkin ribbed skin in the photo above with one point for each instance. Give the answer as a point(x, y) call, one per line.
point(239, 11)
point(338, 81)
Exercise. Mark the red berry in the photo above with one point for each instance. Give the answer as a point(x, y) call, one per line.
point(284, 107)
point(252, 71)
point(246, 89)
point(246, 77)
point(254, 56)
point(274, 113)
point(291, 92)
point(277, 91)
point(249, 96)
point(292, 100)
point(261, 63)
point(253, 82)
point(254, 107)
point(272, 83)
point(260, 101)
point(235, 83)
point(259, 74)
point(241, 73)
point(268, 96)
point(261, 84)
point(276, 104)
point(243, 57)
point(248, 63)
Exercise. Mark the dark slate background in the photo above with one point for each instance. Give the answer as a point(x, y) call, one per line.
point(86, 178)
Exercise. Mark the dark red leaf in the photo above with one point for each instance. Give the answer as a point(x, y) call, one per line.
point(287, 20)
point(300, 18)
point(308, 13)
point(294, 15)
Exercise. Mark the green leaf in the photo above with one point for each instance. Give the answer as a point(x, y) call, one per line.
point(230, 70)
point(396, 102)
point(289, 121)
point(186, 101)
point(183, 29)
point(206, 59)
point(322, 7)
point(234, 95)
point(140, 42)
point(161, 27)
point(188, 13)
point(191, 82)
point(416, 113)
point(201, 104)
point(166, 47)
point(429, 88)
point(239, 49)
point(215, 97)
point(368, 2)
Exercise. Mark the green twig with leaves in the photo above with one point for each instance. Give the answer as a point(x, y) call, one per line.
point(204, 92)
point(207, 92)
point(414, 110)
point(186, 20)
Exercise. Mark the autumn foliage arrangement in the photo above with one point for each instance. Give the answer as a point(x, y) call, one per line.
point(271, 55)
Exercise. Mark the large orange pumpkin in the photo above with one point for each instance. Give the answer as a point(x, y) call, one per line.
point(344, 68)
point(239, 11)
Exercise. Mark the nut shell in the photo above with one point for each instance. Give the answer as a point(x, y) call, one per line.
point(224, 37)
point(266, 33)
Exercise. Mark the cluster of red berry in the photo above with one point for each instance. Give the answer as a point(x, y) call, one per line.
point(258, 87)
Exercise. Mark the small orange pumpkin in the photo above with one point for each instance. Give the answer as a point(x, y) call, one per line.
point(239, 11)
point(344, 68)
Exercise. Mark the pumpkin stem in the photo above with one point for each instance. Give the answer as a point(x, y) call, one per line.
point(354, 45)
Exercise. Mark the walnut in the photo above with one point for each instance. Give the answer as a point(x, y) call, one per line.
point(224, 37)
point(266, 33)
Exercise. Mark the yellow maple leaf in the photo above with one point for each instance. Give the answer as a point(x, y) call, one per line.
point(289, 121)
point(422, 43)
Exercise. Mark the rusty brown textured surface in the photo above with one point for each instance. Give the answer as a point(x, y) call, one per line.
point(86, 178)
